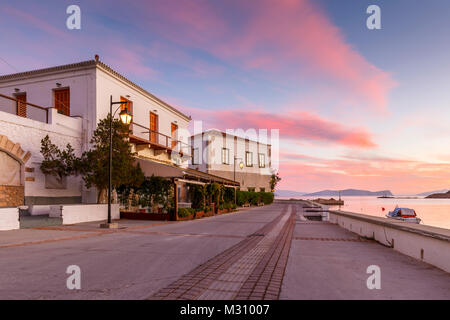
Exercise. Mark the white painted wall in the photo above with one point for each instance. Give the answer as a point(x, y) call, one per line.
point(39, 90)
point(142, 106)
point(407, 238)
point(29, 133)
point(9, 219)
point(90, 91)
point(72, 214)
point(210, 149)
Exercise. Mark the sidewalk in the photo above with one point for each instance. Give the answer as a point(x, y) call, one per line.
point(31, 236)
point(329, 262)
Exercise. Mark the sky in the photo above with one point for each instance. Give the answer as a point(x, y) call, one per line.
point(355, 108)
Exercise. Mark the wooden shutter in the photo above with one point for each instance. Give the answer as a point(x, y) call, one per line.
point(62, 101)
point(21, 105)
point(173, 131)
point(153, 127)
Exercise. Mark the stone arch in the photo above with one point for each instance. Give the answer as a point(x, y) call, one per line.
point(13, 158)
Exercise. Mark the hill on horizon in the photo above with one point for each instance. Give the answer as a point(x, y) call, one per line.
point(288, 193)
point(350, 192)
point(425, 194)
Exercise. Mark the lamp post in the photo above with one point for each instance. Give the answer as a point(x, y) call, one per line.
point(241, 166)
point(125, 118)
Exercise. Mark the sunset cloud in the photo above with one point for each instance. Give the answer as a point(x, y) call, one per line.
point(293, 126)
point(289, 36)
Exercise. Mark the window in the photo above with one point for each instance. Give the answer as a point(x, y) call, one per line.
point(262, 189)
point(21, 105)
point(225, 156)
point(195, 156)
point(153, 127)
point(249, 159)
point(62, 101)
point(262, 160)
point(251, 189)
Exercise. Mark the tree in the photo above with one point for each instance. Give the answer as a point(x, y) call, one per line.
point(58, 163)
point(94, 163)
point(274, 179)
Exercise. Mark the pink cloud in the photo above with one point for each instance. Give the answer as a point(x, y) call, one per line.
point(32, 19)
point(286, 35)
point(294, 125)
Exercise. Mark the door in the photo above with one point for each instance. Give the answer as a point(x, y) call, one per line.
point(21, 105)
point(62, 101)
point(153, 127)
point(173, 131)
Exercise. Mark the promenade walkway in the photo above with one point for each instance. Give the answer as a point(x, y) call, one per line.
point(261, 253)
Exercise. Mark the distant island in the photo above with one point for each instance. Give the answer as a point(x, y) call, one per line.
point(425, 194)
point(288, 193)
point(439, 195)
point(349, 192)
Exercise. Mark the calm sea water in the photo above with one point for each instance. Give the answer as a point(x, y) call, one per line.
point(433, 212)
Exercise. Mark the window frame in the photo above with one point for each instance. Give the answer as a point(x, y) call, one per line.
point(259, 160)
point(193, 156)
point(227, 153)
point(247, 153)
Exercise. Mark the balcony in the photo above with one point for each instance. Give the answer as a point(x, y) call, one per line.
point(24, 109)
point(141, 135)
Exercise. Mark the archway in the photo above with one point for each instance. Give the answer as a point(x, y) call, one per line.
point(12, 164)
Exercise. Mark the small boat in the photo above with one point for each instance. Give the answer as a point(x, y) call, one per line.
point(404, 214)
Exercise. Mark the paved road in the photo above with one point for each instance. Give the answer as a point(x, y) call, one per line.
point(261, 253)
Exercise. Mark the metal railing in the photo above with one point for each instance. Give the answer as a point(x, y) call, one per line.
point(158, 139)
point(20, 108)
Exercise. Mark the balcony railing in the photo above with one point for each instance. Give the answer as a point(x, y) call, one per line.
point(142, 135)
point(23, 108)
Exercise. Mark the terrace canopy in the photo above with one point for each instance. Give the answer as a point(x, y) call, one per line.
point(181, 175)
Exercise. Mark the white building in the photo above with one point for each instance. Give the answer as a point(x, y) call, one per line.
point(66, 102)
point(246, 160)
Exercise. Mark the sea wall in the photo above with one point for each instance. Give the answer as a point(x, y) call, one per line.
point(425, 243)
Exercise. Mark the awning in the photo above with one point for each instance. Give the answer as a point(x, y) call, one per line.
point(150, 168)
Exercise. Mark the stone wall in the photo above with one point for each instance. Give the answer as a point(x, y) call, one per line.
point(11, 196)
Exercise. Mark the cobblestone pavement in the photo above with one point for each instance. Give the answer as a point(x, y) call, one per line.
point(251, 269)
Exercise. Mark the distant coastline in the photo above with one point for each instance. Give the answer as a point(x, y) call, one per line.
point(439, 196)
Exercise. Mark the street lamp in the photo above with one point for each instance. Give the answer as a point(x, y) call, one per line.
point(241, 166)
point(125, 118)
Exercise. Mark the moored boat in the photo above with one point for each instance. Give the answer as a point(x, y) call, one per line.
point(404, 214)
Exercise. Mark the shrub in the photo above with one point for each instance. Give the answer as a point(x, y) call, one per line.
point(185, 212)
point(253, 198)
point(267, 197)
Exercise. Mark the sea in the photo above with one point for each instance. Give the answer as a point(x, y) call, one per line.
point(433, 212)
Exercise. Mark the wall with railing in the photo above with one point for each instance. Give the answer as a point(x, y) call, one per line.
point(24, 109)
point(425, 243)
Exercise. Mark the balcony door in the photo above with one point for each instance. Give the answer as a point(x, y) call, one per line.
point(62, 101)
point(173, 131)
point(153, 127)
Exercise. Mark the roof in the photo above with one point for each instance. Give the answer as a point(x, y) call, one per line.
point(217, 131)
point(91, 64)
point(150, 167)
